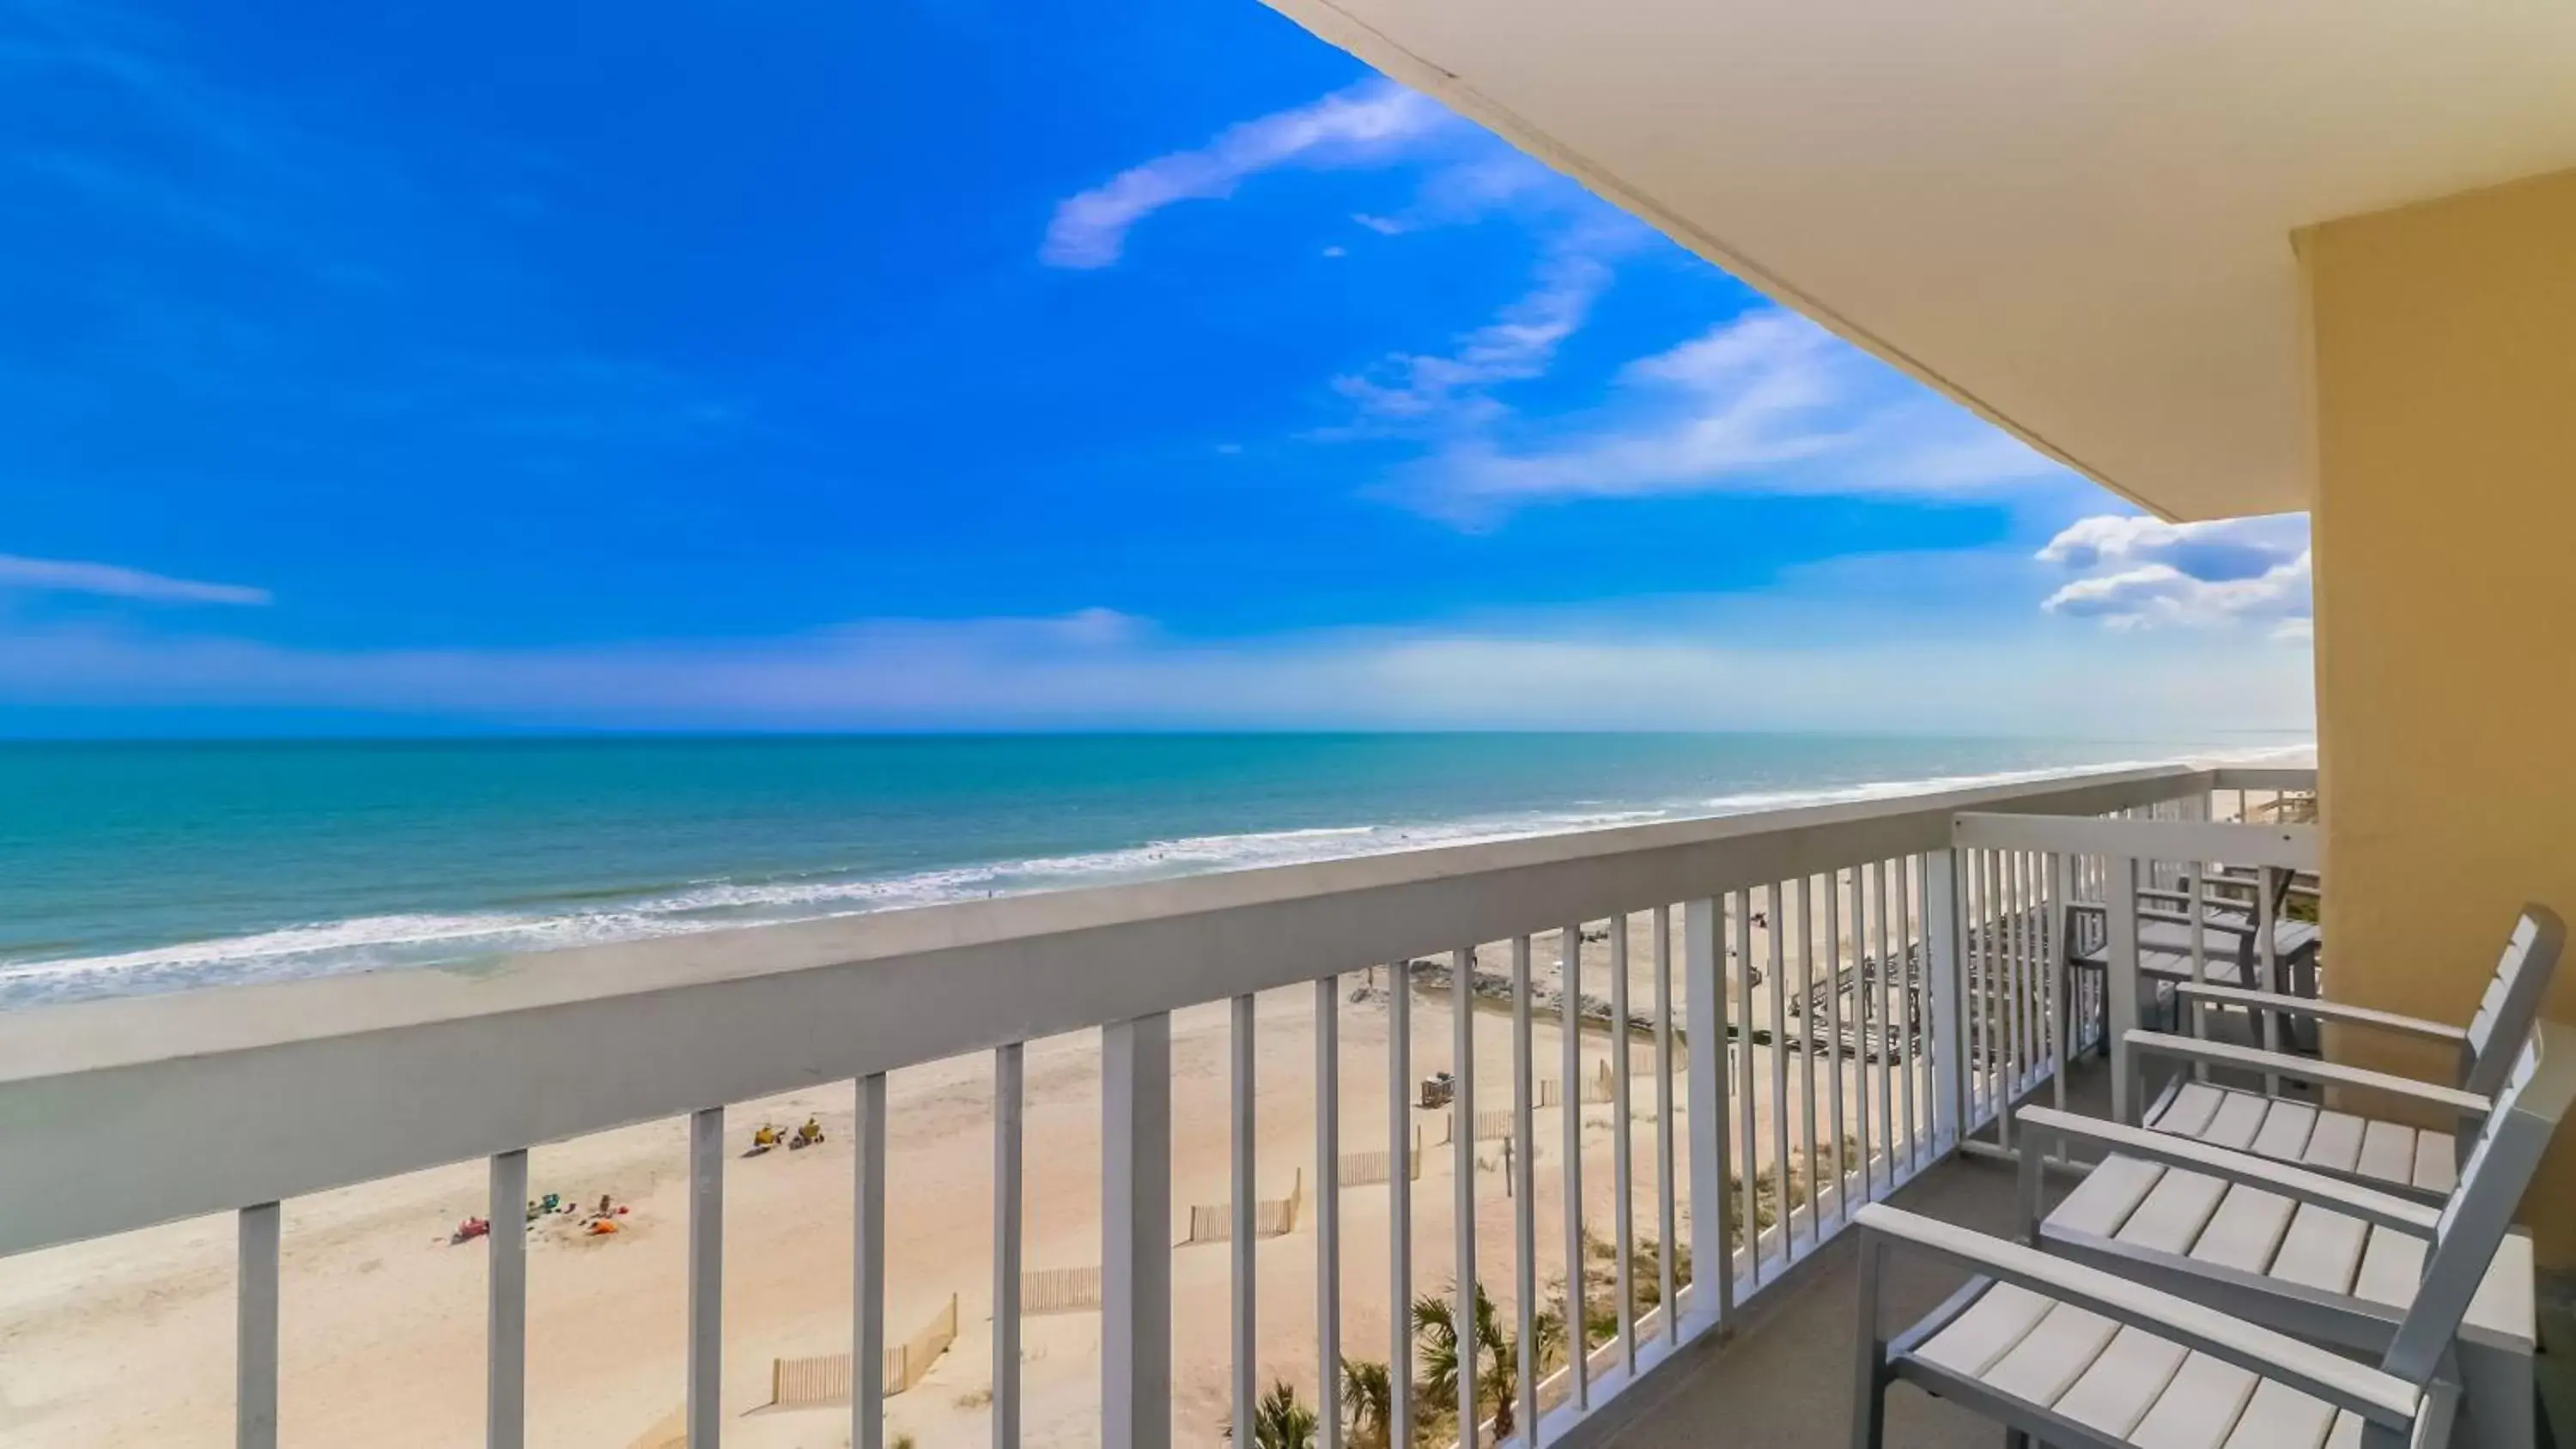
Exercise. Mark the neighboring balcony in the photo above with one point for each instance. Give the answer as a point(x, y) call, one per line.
point(1155, 1151)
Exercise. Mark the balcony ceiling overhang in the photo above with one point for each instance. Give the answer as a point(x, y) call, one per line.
point(2075, 219)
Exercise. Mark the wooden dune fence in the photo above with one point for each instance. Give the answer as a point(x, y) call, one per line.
point(1597, 1087)
point(1361, 1169)
point(1060, 1290)
point(825, 1379)
point(1496, 1122)
point(1271, 1217)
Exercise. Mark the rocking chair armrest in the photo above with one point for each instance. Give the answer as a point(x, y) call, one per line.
point(2322, 1010)
point(2307, 1069)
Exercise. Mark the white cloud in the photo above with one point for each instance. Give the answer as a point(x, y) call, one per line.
point(1767, 401)
point(1487, 179)
point(1596, 667)
point(2160, 594)
point(1366, 122)
point(1443, 391)
point(2143, 573)
point(2219, 549)
point(69, 576)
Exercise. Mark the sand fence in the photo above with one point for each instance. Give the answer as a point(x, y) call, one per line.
point(825, 1379)
point(1494, 1122)
point(1060, 1290)
point(1271, 1217)
point(1365, 1169)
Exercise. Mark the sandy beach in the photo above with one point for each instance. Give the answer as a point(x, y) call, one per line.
point(129, 1340)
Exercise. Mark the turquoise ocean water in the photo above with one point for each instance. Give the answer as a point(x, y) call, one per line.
point(131, 867)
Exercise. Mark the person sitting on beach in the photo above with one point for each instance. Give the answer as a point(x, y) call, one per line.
point(810, 1133)
point(767, 1136)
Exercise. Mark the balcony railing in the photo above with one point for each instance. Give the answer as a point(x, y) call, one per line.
point(1789, 1014)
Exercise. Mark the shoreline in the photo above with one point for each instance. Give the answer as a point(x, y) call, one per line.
point(425, 935)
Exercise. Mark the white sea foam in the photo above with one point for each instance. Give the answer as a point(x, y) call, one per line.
point(378, 942)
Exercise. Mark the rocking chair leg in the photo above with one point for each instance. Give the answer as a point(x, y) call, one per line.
point(1869, 1369)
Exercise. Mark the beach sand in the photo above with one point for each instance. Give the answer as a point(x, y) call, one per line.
point(129, 1340)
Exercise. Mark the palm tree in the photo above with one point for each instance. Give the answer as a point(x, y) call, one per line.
point(1435, 1335)
point(1279, 1421)
point(1494, 1358)
point(1368, 1399)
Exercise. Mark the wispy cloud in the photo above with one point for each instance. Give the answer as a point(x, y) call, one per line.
point(1764, 402)
point(132, 58)
point(1473, 186)
point(1568, 668)
point(156, 199)
point(2142, 573)
point(1364, 123)
point(1451, 390)
point(71, 576)
point(126, 124)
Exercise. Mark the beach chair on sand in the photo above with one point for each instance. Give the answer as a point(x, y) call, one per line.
point(2072, 1354)
point(2422, 1163)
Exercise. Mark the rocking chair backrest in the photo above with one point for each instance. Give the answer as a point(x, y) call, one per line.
point(2512, 1000)
point(2500, 1165)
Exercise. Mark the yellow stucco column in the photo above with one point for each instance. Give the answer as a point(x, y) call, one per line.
point(2445, 527)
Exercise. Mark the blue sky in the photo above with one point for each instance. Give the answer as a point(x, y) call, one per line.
point(969, 365)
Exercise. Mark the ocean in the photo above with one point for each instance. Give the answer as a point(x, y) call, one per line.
point(130, 867)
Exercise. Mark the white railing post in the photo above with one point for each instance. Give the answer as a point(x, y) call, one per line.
point(1667, 1244)
point(255, 1330)
point(1402, 1140)
point(505, 1393)
point(2122, 983)
point(1704, 1031)
point(1462, 1137)
point(1775, 911)
point(867, 1286)
point(1328, 1212)
point(1010, 1102)
point(1623, 1168)
point(704, 1405)
point(1944, 962)
point(2061, 949)
point(1569, 983)
point(1245, 1267)
point(1524, 1187)
point(2267, 961)
point(1136, 1234)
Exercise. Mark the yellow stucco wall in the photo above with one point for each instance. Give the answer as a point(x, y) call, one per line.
point(2445, 521)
